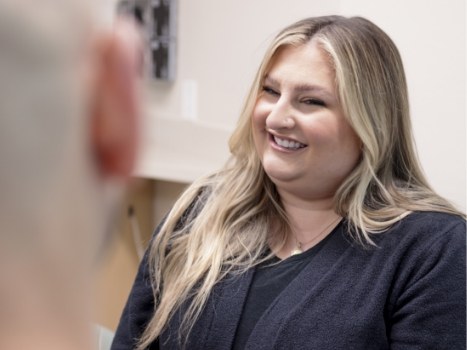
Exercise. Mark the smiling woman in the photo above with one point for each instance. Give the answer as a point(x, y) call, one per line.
point(321, 232)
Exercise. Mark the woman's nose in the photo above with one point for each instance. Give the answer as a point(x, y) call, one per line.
point(281, 116)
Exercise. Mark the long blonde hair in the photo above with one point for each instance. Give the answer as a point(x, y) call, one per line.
point(222, 223)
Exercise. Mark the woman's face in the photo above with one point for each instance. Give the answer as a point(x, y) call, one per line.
point(302, 137)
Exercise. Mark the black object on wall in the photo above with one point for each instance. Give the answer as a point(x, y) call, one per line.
point(159, 23)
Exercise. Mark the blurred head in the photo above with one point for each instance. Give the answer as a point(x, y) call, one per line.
point(371, 89)
point(68, 107)
point(68, 136)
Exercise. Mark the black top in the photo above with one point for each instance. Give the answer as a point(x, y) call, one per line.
point(269, 279)
point(407, 293)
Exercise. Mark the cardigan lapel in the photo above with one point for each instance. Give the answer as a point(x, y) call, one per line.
point(227, 311)
point(215, 328)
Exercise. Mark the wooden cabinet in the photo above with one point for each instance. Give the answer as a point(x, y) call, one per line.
point(150, 199)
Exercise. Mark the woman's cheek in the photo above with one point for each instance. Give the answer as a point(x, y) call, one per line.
point(322, 130)
point(259, 116)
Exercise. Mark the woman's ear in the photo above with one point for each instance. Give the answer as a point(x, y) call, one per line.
point(115, 106)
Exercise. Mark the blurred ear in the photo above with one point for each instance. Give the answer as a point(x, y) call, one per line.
point(115, 104)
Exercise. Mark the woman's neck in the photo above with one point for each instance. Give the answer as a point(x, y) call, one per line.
point(311, 221)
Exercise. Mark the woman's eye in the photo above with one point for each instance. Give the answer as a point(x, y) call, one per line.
point(270, 91)
point(314, 102)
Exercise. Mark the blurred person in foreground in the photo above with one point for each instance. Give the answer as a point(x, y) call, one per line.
point(321, 232)
point(68, 141)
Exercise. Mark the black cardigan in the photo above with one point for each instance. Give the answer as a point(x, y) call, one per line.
point(407, 293)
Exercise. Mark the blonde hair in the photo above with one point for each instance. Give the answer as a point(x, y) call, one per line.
point(222, 223)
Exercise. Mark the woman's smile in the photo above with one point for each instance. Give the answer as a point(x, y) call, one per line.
point(285, 144)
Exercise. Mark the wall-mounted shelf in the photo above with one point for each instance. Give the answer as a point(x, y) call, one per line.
point(181, 151)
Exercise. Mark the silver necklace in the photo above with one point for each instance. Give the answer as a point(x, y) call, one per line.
point(298, 249)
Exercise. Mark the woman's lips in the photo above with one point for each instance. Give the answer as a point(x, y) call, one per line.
point(287, 143)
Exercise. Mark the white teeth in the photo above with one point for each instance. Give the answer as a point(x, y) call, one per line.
point(288, 143)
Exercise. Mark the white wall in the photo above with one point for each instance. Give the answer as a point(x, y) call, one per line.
point(220, 44)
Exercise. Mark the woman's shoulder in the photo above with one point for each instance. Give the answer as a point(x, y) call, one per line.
point(425, 230)
point(422, 246)
point(432, 223)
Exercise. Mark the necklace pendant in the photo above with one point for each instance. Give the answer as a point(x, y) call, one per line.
point(296, 251)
